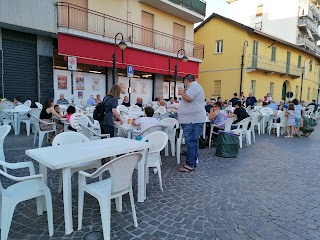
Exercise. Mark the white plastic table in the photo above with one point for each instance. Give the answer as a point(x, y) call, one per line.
point(15, 113)
point(65, 156)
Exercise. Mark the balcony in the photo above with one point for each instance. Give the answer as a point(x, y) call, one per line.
point(85, 20)
point(263, 63)
point(306, 42)
point(306, 22)
point(190, 10)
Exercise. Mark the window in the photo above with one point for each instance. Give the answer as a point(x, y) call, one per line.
point(253, 87)
point(219, 46)
point(217, 88)
point(273, 53)
point(308, 94)
point(179, 33)
point(147, 20)
point(299, 61)
point(310, 67)
point(314, 95)
point(297, 92)
point(271, 88)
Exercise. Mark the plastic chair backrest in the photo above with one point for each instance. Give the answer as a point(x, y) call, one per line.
point(122, 108)
point(134, 108)
point(254, 113)
point(150, 130)
point(4, 130)
point(158, 139)
point(227, 124)
point(267, 110)
point(121, 170)
point(173, 124)
point(36, 122)
point(243, 124)
point(27, 103)
point(39, 105)
point(23, 108)
point(35, 112)
point(162, 110)
point(78, 118)
point(68, 138)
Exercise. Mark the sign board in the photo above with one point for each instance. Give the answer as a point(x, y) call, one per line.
point(289, 94)
point(72, 63)
point(130, 71)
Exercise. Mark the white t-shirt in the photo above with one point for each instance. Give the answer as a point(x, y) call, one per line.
point(147, 122)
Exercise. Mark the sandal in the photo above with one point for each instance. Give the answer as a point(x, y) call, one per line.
point(185, 169)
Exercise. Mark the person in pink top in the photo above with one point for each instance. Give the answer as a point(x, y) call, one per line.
point(70, 110)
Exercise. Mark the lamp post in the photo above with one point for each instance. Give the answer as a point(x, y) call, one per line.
point(122, 45)
point(302, 75)
point(245, 44)
point(184, 59)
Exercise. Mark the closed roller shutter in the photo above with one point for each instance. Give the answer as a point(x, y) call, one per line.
point(20, 66)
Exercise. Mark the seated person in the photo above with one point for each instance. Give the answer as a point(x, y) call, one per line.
point(57, 108)
point(139, 102)
point(62, 100)
point(163, 103)
point(272, 105)
point(210, 105)
point(313, 103)
point(126, 101)
point(283, 106)
point(217, 116)
point(70, 110)
point(16, 101)
point(98, 99)
point(240, 112)
point(147, 121)
point(234, 99)
point(91, 101)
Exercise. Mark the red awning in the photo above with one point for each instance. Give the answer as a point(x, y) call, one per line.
point(100, 54)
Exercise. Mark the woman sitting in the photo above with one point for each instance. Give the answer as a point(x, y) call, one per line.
point(217, 116)
point(46, 114)
point(70, 110)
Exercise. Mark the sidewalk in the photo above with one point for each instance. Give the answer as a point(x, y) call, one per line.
point(271, 191)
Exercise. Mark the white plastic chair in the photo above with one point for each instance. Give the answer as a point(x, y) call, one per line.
point(158, 140)
point(122, 108)
point(119, 183)
point(23, 117)
point(257, 113)
point(36, 123)
point(69, 138)
point(27, 103)
point(78, 118)
point(179, 143)
point(6, 119)
point(39, 105)
point(309, 112)
point(134, 108)
point(281, 126)
point(254, 122)
point(227, 128)
point(171, 128)
point(28, 187)
point(4, 130)
point(91, 134)
point(160, 112)
point(242, 130)
point(147, 131)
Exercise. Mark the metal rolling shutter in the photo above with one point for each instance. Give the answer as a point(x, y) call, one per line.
point(20, 66)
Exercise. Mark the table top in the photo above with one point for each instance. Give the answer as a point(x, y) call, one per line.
point(57, 157)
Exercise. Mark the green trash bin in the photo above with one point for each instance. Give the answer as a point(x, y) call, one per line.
point(227, 145)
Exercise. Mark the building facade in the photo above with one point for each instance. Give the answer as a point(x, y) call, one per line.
point(35, 46)
point(269, 64)
point(295, 21)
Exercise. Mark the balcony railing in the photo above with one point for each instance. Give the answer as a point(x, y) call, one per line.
point(305, 42)
point(309, 23)
point(198, 6)
point(86, 20)
point(265, 64)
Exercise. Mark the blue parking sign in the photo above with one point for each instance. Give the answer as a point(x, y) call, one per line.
point(130, 71)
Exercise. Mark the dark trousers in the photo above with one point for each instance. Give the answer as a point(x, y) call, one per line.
point(106, 129)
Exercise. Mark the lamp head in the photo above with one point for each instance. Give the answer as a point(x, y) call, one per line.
point(184, 58)
point(122, 45)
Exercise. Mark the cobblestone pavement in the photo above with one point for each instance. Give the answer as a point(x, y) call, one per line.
point(271, 191)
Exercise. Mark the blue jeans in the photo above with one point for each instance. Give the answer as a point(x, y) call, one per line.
point(191, 133)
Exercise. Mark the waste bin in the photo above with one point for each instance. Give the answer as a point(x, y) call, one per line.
point(227, 145)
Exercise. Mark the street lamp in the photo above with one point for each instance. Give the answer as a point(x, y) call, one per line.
point(245, 44)
point(184, 59)
point(302, 75)
point(122, 45)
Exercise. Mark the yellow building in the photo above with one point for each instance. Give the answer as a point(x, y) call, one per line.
point(269, 64)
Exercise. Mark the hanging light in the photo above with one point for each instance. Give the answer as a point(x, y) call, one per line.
point(122, 45)
point(184, 58)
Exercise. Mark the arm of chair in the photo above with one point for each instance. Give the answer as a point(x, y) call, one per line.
point(20, 179)
point(102, 135)
point(19, 165)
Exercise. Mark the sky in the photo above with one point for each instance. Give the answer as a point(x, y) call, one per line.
point(217, 6)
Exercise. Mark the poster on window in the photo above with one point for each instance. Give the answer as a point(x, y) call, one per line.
point(143, 88)
point(171, 89)
point(134, 87)
point(80, 95)
point(179, 87)
point(79, 83)
point(62, 82)
point(165, 90)
point(95, 85)
point(123, 87)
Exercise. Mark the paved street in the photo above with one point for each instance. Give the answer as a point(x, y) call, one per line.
point(271, 191)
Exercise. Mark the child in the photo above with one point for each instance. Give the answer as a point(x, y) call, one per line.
point(147, 121)
point(70, 110)
point(291, 115)
point(57, 108)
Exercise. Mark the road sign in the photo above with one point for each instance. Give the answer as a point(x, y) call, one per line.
point(130, 71)
point(72, 63)
point(289, 94)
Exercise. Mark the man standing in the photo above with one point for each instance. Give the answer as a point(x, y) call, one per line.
point(191, 116)
point(62, 100)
